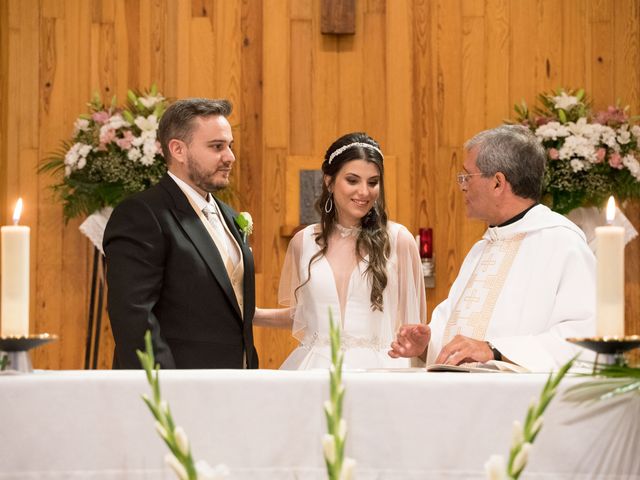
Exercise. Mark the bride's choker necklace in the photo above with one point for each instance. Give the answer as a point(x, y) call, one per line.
point(346, 232)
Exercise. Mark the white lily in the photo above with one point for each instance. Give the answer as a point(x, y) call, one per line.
point(149, 123)
point(564, 101)
point(151, 100)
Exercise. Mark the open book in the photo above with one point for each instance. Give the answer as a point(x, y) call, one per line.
point(492, 366)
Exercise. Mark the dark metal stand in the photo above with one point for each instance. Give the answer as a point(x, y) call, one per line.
point(95, 311)
point(14, 352)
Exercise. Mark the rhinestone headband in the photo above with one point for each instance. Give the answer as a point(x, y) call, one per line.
point(354, 144)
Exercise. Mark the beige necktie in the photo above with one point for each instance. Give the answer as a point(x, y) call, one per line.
point(213, 216)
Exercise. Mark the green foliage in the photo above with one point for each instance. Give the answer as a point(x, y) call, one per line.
point(608, 381)
point(338, 467)
point(173, 437)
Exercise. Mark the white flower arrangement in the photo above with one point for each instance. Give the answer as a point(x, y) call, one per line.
point(590, 155)
point(113, 153)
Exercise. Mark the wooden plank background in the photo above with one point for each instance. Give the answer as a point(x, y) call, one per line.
point(419, 75)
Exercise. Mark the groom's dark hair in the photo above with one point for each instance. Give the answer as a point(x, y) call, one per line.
point(177, 121)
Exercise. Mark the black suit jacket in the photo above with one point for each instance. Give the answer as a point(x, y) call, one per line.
point(165, 274)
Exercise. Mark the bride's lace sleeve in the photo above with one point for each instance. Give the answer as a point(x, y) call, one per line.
point(412, 300)
point(290, 280)
point(290, 276)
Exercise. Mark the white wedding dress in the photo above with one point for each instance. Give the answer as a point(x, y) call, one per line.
point(338, 282)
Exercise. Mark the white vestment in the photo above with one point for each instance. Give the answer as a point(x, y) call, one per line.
point(524, 287)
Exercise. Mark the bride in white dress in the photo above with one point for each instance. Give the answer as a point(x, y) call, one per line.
point(355, 262)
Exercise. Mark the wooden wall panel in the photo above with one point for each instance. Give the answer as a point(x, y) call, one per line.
point(421, 76)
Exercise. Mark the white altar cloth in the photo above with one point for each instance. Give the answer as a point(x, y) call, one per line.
point(265, 424)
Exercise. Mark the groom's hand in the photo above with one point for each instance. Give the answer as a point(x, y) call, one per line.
point(411, 341)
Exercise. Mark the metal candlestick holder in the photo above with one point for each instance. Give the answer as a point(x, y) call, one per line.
point(14, 351)
point(615, 346)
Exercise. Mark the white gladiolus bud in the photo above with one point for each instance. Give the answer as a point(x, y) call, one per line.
point(517, 435)
point(495, 468)
point(205, 472)
point(181, 440)
point(521, 458)
point(161, 430)
point(537, 425)
point(329, 447)
point(348, 467)
point(342, 429)
point(176, 466)
point(328, 408)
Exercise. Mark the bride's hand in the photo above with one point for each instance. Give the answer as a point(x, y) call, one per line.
point(411, 341)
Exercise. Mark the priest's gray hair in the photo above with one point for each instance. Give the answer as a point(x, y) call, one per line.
point(516, 152)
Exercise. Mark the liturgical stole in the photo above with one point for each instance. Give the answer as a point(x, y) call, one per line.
point(474, 309)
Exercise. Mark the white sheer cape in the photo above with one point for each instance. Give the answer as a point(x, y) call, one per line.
point(339, 282)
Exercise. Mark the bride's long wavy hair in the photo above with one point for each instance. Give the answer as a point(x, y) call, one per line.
point(373, 238)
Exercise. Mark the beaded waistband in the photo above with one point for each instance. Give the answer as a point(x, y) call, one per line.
point(347, 342)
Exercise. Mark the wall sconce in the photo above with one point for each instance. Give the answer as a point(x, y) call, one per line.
point(425, 246)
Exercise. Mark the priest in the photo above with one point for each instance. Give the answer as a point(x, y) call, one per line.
point(527, 285)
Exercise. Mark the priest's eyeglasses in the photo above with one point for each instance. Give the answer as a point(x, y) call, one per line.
point(463, 178)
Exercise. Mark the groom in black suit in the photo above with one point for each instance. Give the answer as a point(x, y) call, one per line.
point(177, 262)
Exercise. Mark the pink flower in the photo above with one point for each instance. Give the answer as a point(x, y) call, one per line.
point(125, 142)
point(553, 153)
point(600, 154)
point(100, 117)
point(542, 121)
point(612, 116)
point(615, 160)
point(107, 135)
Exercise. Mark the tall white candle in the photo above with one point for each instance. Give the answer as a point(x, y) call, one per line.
point(610, 278)
point(14, 258)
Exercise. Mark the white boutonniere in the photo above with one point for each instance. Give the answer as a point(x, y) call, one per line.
point(245, 223)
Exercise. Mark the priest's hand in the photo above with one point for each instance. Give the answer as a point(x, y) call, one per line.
point(464, 349)
point(411, 341)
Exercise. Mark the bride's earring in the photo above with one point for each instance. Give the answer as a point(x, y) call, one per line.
point(328, 205)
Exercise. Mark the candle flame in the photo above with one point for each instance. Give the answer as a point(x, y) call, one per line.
point(17, 212)
point(611, 210)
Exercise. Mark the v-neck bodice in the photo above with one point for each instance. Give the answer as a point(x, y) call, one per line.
point(339, 282)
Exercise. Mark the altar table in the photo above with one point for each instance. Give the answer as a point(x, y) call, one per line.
point(93, 425)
